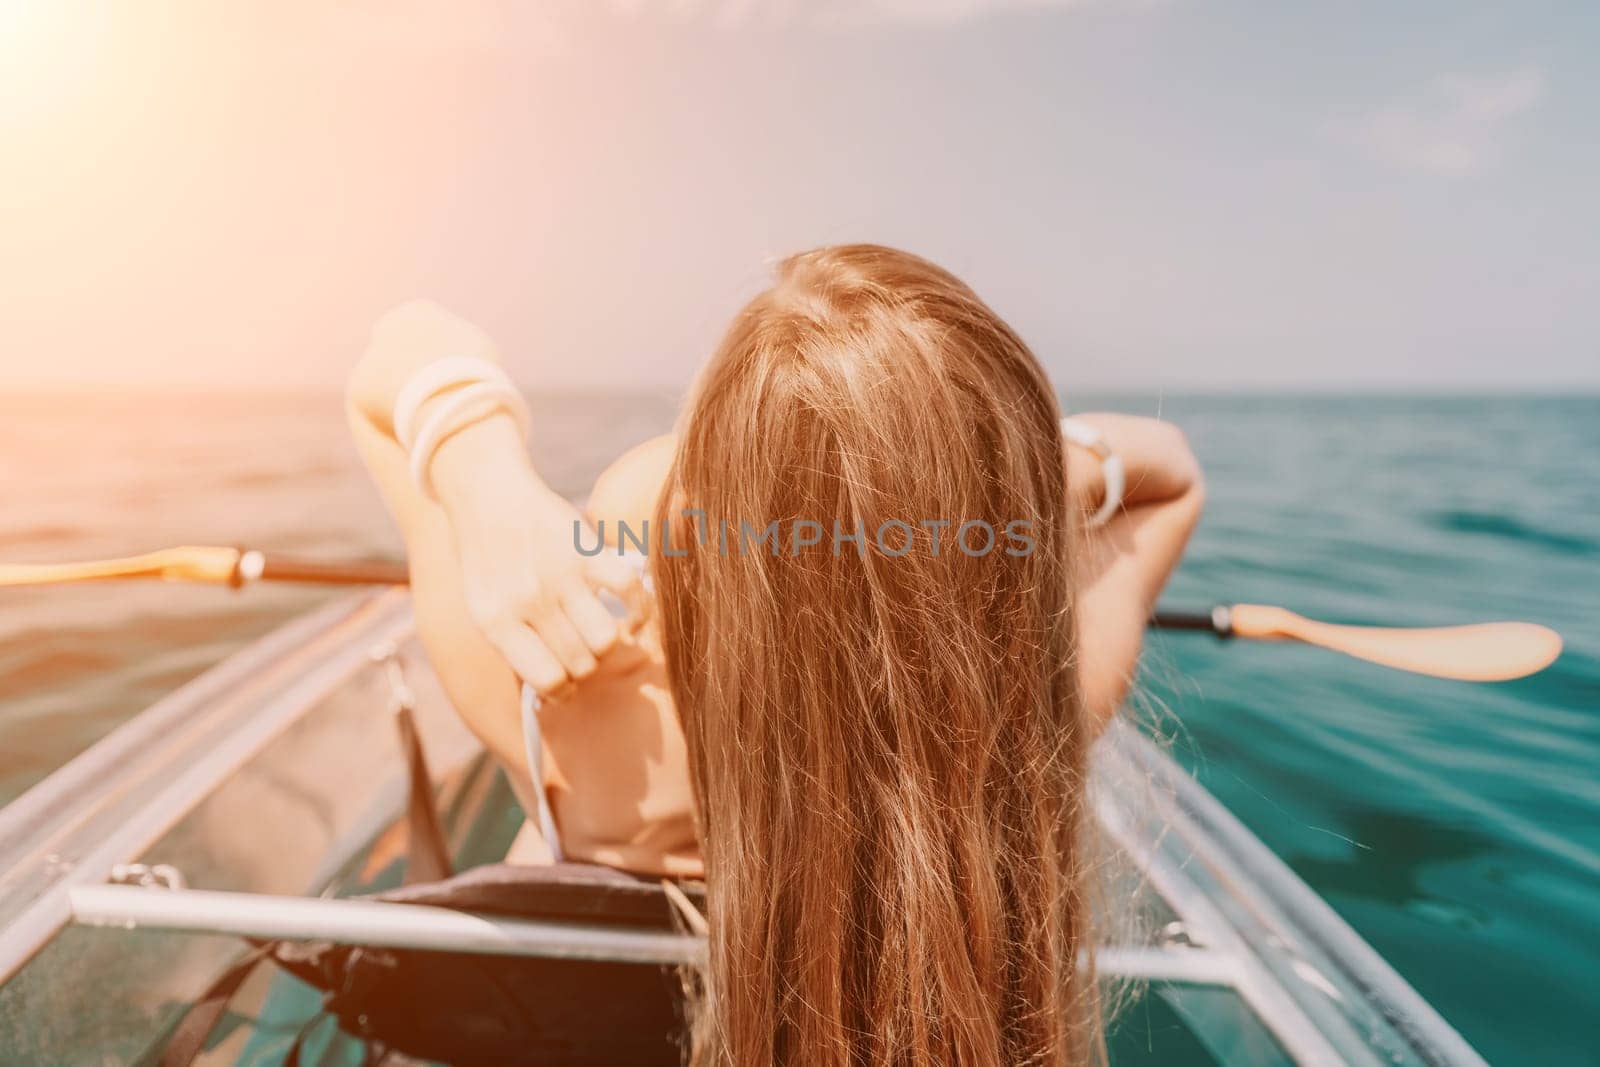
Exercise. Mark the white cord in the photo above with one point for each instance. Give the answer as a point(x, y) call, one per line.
point(456, 411)
point(1083, 435)
point(533, 747)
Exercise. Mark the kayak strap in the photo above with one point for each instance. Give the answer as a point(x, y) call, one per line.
point(427, 860)
point(188, 1038)
point(427, 855)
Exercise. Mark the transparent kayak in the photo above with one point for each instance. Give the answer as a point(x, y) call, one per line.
point(255, 800)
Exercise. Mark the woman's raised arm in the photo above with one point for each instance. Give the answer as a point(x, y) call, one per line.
point(492, 557)
point(1126, 562)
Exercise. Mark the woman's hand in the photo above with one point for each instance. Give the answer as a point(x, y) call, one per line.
point(528, 589)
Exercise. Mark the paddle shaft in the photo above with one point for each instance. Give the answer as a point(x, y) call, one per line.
point(380, 572)
point(246, 566)
point(1217, 621)
point(386, 572)
point(1481, 652)
point(282, 569)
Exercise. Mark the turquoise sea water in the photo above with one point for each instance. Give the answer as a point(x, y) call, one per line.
point(1456, 826)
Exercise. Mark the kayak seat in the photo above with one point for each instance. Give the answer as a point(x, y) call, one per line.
point(573, 892)
point(469, 1009)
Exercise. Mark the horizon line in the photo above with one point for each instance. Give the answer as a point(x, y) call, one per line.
point(1377, 389)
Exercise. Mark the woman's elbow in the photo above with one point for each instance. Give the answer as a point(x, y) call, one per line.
point(1196, 493)
point(371, 379)
point(1184, 463)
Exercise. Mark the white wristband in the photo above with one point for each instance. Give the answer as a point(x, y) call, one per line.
point(1083, 435)
point(431, 380)
point(457, 411)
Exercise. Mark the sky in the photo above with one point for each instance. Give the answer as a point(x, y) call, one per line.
point(1158, 194)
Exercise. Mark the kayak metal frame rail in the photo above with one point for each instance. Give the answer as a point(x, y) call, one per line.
point(383, 924)
point(386, 924)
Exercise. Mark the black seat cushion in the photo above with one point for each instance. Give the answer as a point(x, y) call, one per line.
point(575, 892)
point(470, 1009)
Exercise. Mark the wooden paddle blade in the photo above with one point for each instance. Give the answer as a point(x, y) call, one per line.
point(1482, 652)
point(189, 563)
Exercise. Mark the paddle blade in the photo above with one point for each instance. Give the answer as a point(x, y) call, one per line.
point(190, 563)
point(1482, 652)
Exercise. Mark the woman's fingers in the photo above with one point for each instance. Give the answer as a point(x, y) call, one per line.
point(618, 577)
point(561, 638)
point(529, 658)
point(590, 618)
point(559, 635)
point(549, 651)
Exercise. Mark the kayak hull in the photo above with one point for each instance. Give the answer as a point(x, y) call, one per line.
point(277, 781)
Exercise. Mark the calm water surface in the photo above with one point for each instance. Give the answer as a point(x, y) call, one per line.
point(1457, 827)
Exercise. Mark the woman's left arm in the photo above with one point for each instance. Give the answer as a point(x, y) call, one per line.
point(499, 590)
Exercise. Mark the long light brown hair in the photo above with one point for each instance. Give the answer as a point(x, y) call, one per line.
point(888, 748)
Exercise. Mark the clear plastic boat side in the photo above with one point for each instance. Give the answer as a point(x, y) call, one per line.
point(279, 776)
